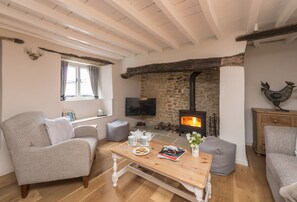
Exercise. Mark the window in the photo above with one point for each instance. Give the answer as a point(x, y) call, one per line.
point(78, 82)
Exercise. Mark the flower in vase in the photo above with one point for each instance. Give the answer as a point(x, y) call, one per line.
point(195, 139)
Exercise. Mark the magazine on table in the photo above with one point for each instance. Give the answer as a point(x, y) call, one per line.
point(171, 152)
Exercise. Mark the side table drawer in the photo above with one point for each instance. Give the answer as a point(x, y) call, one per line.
point(276, 120)
point(295, 121)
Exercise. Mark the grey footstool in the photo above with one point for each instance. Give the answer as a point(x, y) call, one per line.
point(117, 130)
point(223, 152)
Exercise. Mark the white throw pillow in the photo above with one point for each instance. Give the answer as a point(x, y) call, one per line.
point(59, 129)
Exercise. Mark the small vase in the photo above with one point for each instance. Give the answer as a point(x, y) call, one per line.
point(195, 152)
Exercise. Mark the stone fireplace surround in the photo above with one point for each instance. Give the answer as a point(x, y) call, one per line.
point(172, 92)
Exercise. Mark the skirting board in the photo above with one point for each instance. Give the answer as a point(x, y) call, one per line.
point(242, 162)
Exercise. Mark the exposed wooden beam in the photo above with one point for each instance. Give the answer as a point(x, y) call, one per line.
point(85, 58)
point(99, 18)
point(186, 65)
point(287, 29)
point(15, 40)
point(35, 32)
point(12, 13)
point(127, 9)
point(254, 11)
point(286, 13)
point(80, 26)
point(169, 10)
point(211, 17)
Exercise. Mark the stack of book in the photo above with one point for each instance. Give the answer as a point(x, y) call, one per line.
point(171, 152)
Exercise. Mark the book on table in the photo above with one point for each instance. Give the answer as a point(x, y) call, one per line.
point(171, 152)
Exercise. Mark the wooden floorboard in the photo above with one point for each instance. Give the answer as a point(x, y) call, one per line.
point(245, 184)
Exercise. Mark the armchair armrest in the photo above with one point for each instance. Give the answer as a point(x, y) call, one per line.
point(86, 131)
point(280, 139)
point(68, 159)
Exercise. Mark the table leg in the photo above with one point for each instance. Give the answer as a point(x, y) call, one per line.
point(198, 194)
point(115, 174)
point(209, 185)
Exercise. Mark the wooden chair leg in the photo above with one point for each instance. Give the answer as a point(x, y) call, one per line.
point(25, 190)
point(85, 181)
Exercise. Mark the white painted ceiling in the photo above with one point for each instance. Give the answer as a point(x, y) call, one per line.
point(120, 28)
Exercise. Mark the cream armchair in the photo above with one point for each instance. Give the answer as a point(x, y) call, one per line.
point(35, 160)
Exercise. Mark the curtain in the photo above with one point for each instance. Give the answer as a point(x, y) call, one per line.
point(64, 69)
point(94, 77)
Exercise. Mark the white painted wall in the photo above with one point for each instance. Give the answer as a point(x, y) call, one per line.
point(274, 63)
point(35, 85)
point(232, 125)
point(208, 48)
point(29, 85)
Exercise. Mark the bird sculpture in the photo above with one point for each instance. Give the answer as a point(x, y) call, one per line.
point(277, 97)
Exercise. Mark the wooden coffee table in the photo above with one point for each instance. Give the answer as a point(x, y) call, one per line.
point(192, 172)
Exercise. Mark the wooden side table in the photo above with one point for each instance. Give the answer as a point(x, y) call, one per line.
point(269, 117)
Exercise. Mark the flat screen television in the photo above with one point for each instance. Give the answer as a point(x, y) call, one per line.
point(140, 107)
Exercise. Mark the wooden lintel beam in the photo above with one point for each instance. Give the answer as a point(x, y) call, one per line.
point(186, 65)
point(287, 29)
point(86, 58)
point(15, 40)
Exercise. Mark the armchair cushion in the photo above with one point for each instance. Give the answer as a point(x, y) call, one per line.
point(59, 129)
point(289, 192)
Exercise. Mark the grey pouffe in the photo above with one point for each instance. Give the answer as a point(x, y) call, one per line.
point(117, 130)
point(223, 152)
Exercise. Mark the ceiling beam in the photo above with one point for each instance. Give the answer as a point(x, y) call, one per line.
point(253, 15)
point(128, 10)
point(78, 25)
point(211, 17)
point(291, 39)
point(47, 36)
point(171, 13)
point(61, 31)
point(286, 13)
point(12, 13)
point(99, 18)
point(287, 29)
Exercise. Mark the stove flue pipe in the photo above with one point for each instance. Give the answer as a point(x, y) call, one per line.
point(192, 90)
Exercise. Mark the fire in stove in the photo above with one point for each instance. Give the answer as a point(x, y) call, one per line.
point(191, 121)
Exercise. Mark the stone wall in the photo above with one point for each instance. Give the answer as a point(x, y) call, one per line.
point(172, 93)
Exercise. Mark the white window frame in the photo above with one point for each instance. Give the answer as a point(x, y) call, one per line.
point(78, 95)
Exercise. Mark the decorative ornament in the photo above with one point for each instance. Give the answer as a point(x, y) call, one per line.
point(277, 97)
point(33, 56)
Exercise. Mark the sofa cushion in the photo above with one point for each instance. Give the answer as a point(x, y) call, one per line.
point(282, 167)
point(59, 129)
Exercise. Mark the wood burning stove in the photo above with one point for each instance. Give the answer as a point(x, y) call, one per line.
point(192, 120)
